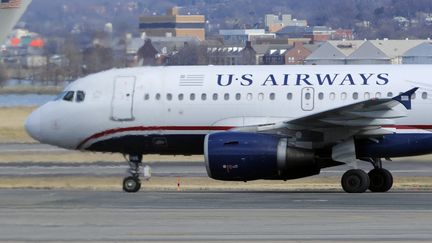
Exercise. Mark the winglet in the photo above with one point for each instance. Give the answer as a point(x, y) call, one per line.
point(405, 98)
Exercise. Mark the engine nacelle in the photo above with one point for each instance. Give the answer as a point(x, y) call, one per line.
point(241, 156)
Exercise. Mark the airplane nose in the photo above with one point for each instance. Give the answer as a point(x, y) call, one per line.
point(33, 125)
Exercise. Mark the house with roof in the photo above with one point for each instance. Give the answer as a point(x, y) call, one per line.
point(333, 52)
point(368, 53)
point(395, 49)
point(266, 49)
point(298, 54)
point(421, 54)
point(274, 57)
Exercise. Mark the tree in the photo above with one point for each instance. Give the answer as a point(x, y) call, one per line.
point(72, 59)
point(97, 58)
point(3, 75)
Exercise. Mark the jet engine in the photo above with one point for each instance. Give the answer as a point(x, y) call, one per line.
point(242, 156)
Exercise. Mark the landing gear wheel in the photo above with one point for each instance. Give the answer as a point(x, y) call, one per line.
point(381, 180)
point(355, 181)
point(131, 184)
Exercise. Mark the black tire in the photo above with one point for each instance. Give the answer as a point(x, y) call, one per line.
point(355, 181)
point(131, 184)
point(381, 180)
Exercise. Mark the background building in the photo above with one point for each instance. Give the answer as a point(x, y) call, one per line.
point(274, 23)
point(174, 24)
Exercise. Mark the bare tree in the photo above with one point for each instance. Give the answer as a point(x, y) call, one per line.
point(98, 58)
point(3, 75)
point(72, 59)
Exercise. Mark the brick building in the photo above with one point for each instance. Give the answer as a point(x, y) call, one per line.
point(173, 24)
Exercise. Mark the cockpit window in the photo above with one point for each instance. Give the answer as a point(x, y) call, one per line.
point(80, 96)
point(69, 96)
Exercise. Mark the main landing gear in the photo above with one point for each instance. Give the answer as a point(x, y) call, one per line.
point(132, 183)
point(377, 180)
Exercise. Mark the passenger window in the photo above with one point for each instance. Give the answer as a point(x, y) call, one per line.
point(378, 95)
point(226, 96)
point(289, 96)
point(344, 96)
point(367, 96)
point(203, 96)
point(355, 96)
point(69, 96)
point(169, 96)
point(249, 96)
point(192, 97)
point(424, 95)
point(146, 96)
point(80, 97)
point(180, 96)
point(332, 96)
point(238, 96)
point(272, 96)
point(158, 96)
point(389, 94)
point(308, 96)
point(215, 96)
point(321, 96)
point(260, 96)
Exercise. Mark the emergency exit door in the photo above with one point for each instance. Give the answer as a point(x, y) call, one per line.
point(122, 100)
point(307, 100)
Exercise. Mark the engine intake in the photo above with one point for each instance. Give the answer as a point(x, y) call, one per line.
point(241, 156)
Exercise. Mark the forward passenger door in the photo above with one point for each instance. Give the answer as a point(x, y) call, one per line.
point(122, 100)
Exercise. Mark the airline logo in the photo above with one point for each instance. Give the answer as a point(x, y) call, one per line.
point(332, 79)
point(4, 4)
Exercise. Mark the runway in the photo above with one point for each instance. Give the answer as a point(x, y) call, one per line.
point(86, 216)
point(207, 215)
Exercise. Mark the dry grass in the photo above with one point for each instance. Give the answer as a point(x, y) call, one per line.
point(12, 125)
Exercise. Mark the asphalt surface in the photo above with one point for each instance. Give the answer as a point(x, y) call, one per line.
point(85, 216)
point(206, 216)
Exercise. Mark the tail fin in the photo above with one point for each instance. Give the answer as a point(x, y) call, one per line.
point(10, 13)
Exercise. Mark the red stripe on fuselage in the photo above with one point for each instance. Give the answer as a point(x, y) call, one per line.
point(154, 128)
point(204, 128)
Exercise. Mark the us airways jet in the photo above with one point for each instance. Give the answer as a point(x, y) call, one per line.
point(10, 12)
point(250, 122)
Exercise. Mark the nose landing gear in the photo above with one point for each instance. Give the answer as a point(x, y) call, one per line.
point(133, 183)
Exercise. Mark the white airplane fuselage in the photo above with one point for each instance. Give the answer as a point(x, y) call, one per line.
point(169, 110)
point(250, 122)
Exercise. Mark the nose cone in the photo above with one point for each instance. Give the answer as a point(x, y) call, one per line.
point(33, 125)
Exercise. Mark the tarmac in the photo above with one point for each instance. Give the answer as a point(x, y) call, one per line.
point(91, 216)
point(76, 215)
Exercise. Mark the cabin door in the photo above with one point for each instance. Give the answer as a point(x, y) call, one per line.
point(307, 99)
point(122, 100)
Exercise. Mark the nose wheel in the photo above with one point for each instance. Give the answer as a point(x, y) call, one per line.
point(132, 183)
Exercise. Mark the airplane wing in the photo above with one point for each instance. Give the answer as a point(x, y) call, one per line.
point(336, 127)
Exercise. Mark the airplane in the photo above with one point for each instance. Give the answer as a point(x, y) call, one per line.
point(10, 12)
point(249, 122)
